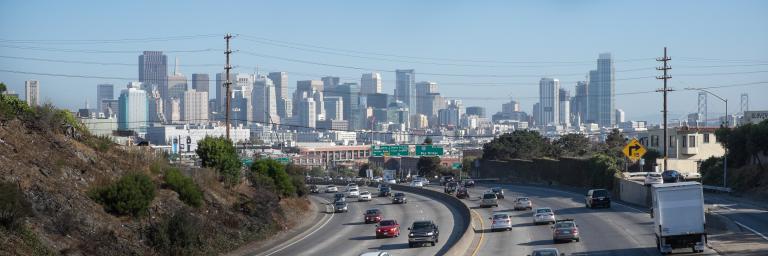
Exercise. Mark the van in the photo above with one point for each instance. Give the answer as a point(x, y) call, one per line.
point(489, 199)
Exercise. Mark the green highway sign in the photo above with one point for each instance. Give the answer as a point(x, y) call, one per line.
point(389, 150)
point(456, 166)
point(283, 160)
point(429, 150)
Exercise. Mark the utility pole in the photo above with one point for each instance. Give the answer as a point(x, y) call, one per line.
point(227, 83)
point(664, 91)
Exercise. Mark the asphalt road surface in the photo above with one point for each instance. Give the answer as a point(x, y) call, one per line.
point(347, 234)
point(620, 230)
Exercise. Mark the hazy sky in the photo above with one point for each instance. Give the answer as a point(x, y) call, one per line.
point(486, 52)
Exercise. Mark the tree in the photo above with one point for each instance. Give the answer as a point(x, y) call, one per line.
point(650, 158)
point(520, 144)
point(428, 166)
point(362, 171)
point(3, 88)
point(276, 171)
point(572, 145)
point(219, 153)
point(428, 141)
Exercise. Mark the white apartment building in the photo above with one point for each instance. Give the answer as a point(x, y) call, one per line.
point(194, 107)
point(687, 146)
point(185, 137)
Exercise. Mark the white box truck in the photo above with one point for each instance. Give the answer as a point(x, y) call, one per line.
point(678, 216)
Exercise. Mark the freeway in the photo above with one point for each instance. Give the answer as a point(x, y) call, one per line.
point(620, 230)
point(347, 234)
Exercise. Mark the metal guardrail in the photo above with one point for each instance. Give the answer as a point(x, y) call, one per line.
point(716, 188)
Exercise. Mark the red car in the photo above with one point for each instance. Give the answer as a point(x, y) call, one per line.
point(387, 228)
point(372, 216)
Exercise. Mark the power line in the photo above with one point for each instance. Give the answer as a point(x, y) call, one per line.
point(106, 41)
point(49, 49)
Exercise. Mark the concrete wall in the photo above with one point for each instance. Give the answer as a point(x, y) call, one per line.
point(565, 171)
point(634, 192)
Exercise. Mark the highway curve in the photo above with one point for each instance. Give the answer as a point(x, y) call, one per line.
point(620, 230)
point(346, 234)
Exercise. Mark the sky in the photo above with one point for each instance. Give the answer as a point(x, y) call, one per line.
point(485, 53)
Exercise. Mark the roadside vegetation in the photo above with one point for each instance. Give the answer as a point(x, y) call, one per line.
point(747, 152)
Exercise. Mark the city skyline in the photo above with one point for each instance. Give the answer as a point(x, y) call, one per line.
point(501, 69)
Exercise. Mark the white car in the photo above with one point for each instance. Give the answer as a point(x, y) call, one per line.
point(501, 221)
point(352, 186)
point(375, 254)
point(546, 252)
point(523, 203)
point(377, 179)
point(653, 178)
point(423, 180)
point(392, 181)
point(364, 196)
point(543, 215)
point(331, 189)
point(691, 175)
point(417, 184)
point(353, 192)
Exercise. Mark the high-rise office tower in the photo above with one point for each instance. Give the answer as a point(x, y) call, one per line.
point(510, 107)
point(423, 90)
point(602, 92)
point(405, 87)
point(334, 108)
point(565, 107)
point(177, 84)
point(549, 101)
point(619, 115)
point(32, 92)
point(104, 92)
point(264, 101)
point(132, 113)
point(579, 102)
point(201, 83)
point(330, 82)
point(280, 80)
point(194, 107)
point(537, 113)
point(370, 83)
point(172, 110)
point(350, 94)
point(310, 87)
point(153, 72)
point(307, 109)
point(476, 110)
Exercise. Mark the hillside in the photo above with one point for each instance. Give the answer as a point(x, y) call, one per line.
point(49, 168)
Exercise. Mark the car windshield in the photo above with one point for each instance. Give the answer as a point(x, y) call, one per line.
point(387, 223)
point(340, 204)
point(385, 189)
point(422, 224)
point(354, 189)
point(564, 225)
point(543, 210)
point(500, 216)
point(654, 175)
point(372, 211)
point(489, 196)
point(600, 193)
point(399, 195)
point(522, 199)
point(545, 253)
point(496, 190)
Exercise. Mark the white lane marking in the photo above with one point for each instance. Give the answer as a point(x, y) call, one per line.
point(307, 235)
point(750, 229)
point(579, 195)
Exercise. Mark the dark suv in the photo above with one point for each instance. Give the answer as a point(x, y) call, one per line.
point(423, 232)
point(671, 176)
point(384, 191)
point(597, 197)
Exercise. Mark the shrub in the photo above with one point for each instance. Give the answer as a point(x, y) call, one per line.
point(12, 107)
point(276, 171)
point(177, 234)
point(132, 195)
point(13, 206)
point(188, 191)
point(219, 153)
point(299, 185)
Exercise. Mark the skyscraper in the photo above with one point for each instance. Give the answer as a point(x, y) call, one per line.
point(619, 115)
point(370, 83)
point(350, 94)
point(194, 107)
point(476, 110)
point(104, 92)
point(405, 87)
point(579, 101)
point(177, 84)
point(602, 92)
point(307, 116)
point(564, 110)
point(172, 110)
point(32, 92)
point(330, 82)
point(423, 90)
point(549, 101)
point(201, 83)
point(153, 72)
point(221, 91)
point(280, 80)
point(264, 101)
point(132, 113)
point(310, 87)
point(334, 108)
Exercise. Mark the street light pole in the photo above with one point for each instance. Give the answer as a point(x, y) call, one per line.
point(727, 126)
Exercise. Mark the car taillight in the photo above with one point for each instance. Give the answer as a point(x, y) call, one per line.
point(574, 231)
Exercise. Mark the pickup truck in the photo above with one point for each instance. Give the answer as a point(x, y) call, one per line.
point(678, 216)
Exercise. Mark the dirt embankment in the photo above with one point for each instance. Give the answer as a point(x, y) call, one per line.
point(54, 171)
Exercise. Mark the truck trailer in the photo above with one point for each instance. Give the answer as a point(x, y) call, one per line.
point(678, 216)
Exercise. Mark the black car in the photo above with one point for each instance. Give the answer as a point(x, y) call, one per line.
point(399, 198)
point(498, 191)
point(469, 183)
point(385, 191)
point(314, 189)
point(423, 232)
point(671, 176)
point(462, 193)
point(451, 187)
point(597, 197)
point(339, 197)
